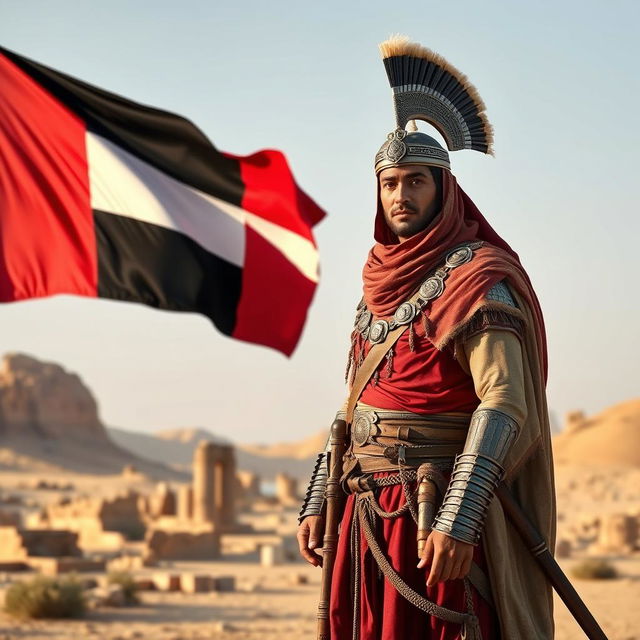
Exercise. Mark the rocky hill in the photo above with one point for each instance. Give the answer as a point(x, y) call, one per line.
point(49, 417)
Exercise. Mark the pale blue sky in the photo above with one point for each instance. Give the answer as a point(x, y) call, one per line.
point(561, 84)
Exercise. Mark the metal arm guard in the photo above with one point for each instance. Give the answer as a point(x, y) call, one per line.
point(314, 500)
point(476, 473)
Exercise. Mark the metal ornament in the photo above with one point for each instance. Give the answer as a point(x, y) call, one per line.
point(397, 149)
point(432, 288)
point(362, 428)
point(363, 321)
point(379, 331)
point(405, 313)
point(458, 257)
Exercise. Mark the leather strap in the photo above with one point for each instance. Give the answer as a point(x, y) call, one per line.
point(368, 367)
point(371, 363)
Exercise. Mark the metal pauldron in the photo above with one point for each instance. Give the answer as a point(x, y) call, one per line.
point(476, 472)
point(314, 500)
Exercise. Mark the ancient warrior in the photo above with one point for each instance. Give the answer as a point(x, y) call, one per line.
point(446, 372)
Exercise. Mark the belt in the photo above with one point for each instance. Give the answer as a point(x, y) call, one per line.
point(382, 439)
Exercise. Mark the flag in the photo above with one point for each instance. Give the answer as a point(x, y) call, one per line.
point(104, 197)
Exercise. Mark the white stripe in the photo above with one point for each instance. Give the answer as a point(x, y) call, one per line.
point(298, 250)
point(123, 184)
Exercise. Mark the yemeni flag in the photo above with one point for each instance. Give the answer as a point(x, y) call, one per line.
point(104, 197)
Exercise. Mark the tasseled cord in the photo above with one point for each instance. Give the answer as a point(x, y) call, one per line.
point(355, 358)
point(389, 367)
point(425, 324)
point(471, 629)
point(351, 356)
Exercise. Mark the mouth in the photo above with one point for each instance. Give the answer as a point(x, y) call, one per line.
point(402, 213)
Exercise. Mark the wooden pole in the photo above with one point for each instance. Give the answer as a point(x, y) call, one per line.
point(335, 504)
point(538, 548)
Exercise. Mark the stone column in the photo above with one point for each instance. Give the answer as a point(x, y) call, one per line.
point(164, 501)
point(229, 493)
point(203, 482)
point(185, 502)
point(218, 473)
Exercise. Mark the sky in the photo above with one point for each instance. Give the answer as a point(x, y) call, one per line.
point(561, 84)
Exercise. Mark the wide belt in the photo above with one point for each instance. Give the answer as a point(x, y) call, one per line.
point(382, 440)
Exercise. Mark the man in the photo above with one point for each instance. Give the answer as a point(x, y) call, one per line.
point(447, 371)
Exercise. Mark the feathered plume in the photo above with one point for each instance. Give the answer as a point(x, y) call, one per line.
point(426, 87)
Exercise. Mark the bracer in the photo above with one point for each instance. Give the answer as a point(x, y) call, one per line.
point(476, 472)
point(314, 500)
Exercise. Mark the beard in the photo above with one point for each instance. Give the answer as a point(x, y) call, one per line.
point(414, 223)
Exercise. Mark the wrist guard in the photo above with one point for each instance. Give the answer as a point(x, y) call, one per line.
point(314, 500)
point(476, 472)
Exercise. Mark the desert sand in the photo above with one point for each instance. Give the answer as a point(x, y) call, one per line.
point(598, 488)
point(280, 602)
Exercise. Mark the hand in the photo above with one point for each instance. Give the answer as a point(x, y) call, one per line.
point(449, 558)
point(310, 534)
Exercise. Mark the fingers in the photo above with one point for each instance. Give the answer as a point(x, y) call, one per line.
point(427, 554)
point(449, 559)
point(316, 533)
point(305, 534)
point(437, 567)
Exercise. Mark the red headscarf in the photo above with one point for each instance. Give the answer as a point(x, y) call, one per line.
point(394, 270)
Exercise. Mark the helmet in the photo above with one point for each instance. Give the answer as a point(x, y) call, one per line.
point(426, 87)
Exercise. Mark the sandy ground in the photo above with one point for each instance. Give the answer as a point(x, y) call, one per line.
point(274, 609)
point(279, 610)
point(271, 604)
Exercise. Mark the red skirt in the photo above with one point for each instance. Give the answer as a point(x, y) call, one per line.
point(384, 613)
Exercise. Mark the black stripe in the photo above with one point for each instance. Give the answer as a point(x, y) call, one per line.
point(142, 262)
point(169, 142)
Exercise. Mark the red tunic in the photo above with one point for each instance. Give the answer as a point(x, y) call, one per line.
point(423, 380)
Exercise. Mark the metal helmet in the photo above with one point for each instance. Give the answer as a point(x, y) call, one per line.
point(411, 147)
point(426, 87)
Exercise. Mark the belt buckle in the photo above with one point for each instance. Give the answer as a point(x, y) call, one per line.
point(363, 427)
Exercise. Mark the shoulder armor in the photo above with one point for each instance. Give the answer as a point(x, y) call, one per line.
point(500, 293)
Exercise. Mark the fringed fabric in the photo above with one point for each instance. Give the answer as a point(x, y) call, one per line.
point(489, 318)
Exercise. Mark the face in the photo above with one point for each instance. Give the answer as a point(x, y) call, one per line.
point(409, 199)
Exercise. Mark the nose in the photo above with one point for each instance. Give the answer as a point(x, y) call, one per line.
point(401, 195)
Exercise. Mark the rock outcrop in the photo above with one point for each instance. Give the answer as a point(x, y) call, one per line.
point(47, 414)
point(41, 399)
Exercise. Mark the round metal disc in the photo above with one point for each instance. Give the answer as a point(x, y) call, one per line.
point(431, 288)
point(361, 429)
point(379, 331)
point(405, 313)
point(458, 257)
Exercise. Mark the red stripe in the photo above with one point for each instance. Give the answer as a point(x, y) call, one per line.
point(275, 297)
point(272, 193)
point(47, 238)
